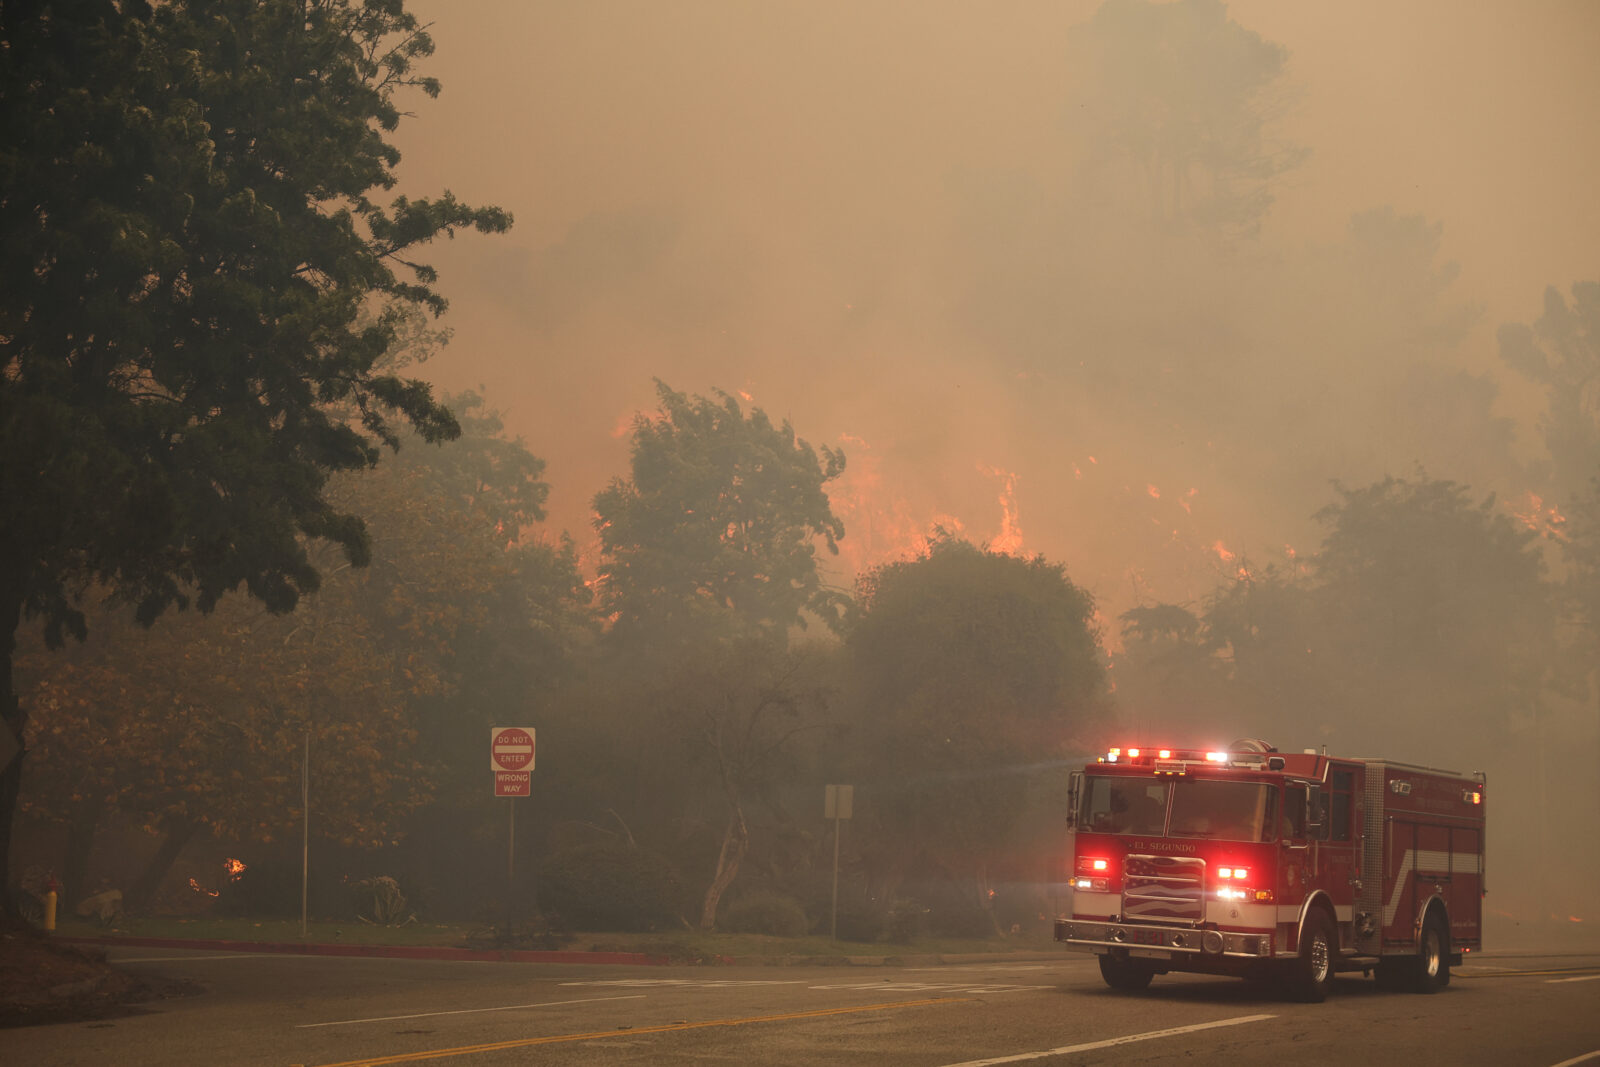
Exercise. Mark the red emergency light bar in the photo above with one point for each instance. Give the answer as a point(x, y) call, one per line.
point(1147, 756)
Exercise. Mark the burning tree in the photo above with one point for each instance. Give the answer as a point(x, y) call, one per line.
point(190, 239)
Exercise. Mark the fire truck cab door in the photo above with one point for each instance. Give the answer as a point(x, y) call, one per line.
point(1294, 860)
point(1338, 848)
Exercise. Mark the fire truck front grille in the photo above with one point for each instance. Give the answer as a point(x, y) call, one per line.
point(1164, 887)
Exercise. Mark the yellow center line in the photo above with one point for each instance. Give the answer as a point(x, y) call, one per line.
point(525, 1042)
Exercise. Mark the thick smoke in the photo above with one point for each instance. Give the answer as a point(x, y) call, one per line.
point(981, 248)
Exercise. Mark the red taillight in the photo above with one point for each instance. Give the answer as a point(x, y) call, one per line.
point(1233, 872)
point(1093, 864)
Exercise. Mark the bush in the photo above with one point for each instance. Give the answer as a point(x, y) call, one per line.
point(380, 901)
point(609, 886)
point(862, 921)
point(264, 889)
point(906, 920)
point(765, 912)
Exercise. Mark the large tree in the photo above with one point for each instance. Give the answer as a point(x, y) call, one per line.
point(715, 531)
point(1182, 100)
point(189, 197)
point(1561, 352)
point(971, 671)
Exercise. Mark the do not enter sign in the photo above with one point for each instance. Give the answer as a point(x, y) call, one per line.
point(511, 748)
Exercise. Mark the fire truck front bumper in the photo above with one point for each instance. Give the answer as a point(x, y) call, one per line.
point(1161, 942)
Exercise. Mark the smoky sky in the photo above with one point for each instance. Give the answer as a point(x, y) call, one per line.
point(900, 226)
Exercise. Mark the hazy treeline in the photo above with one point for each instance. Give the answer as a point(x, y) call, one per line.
point(692, 700)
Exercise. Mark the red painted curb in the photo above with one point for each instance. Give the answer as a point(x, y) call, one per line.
point(402, 952)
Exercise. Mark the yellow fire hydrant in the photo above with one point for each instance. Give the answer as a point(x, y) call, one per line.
point(50, 906)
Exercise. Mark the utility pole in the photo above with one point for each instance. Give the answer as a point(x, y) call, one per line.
point(305, 832)
point(837, 801)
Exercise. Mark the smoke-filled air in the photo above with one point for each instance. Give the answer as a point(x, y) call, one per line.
point(922, 397)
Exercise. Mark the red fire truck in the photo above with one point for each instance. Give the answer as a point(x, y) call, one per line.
point(1290, 867)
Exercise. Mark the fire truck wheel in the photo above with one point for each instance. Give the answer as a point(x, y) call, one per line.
point(1433, 955)
point(1125, 975)
point(1313, 971)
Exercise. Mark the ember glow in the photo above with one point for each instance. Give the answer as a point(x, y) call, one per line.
point(1543, 519)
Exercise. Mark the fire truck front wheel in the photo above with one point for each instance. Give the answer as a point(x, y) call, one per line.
point(1313, 970)
point(1125, 975)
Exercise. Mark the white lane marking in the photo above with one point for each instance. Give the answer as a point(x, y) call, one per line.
point(697, 983)
point(1585, 1058)
point(991, 967)
point(465, 1011)
point(1582, 978)
point(927, 987)
point(1063, 1050)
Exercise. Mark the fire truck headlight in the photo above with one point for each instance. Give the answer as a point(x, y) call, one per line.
point(1229, 893)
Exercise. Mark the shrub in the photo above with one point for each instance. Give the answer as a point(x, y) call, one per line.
point(609, 886)
point(861, 921)
point(380, 901)
point(263, 889)
point(906, 920)
point(765, 912)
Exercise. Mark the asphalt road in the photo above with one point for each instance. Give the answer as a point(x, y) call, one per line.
point(276, 1009)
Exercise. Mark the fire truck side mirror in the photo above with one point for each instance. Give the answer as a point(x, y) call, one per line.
point(1315, 828)
point(1074, 791)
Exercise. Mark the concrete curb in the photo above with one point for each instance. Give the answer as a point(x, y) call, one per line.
point(426, 952)
point(400, 952)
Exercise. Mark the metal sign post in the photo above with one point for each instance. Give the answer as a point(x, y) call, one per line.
point(837, 801)
point(511, 750)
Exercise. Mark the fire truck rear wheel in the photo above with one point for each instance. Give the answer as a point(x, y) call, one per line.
point(1313, 970)
point(1433, 955)
point(1125, 975)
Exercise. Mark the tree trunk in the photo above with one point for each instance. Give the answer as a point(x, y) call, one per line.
point(139, 895)
point(75, 866)
point(13, 723)
point(735, 843)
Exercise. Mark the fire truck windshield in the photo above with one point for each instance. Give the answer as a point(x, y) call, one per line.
point(1231, 811)
point(1125, 805)
point(1228, 811)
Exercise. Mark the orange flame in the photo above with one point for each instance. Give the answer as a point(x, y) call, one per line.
point(1544, 520)
point(1009, 539)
